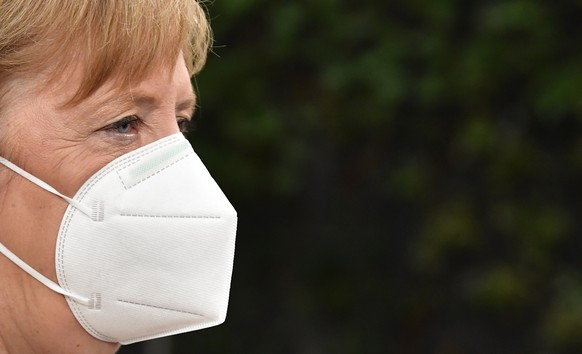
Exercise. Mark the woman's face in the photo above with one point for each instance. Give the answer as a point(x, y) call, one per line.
point(64, 146)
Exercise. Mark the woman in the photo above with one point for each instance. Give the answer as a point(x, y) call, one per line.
point(101, 241)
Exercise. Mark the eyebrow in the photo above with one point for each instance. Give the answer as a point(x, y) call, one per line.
point(187, 105)
point(127, 100)
point(144, 100)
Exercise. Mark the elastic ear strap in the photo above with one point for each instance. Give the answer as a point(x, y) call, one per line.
point(41, 278)
point(42, 184)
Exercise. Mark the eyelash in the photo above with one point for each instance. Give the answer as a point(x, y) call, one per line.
point(185, 125)
point(125, 122)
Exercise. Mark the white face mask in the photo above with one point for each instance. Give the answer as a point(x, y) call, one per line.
point(145, 248)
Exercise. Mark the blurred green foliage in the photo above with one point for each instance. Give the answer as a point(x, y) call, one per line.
point(407, 175)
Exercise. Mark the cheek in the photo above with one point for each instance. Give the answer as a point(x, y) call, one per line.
point(64, 165)
point(62, 161)
point(71, 169)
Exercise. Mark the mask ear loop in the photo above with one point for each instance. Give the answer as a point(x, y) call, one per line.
point(19, 262)
point(41, 278)
point(42, 184)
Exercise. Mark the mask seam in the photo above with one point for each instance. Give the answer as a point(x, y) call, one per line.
point(166, 333)
point(73, 305)
point(159, 307)
point(88, 326)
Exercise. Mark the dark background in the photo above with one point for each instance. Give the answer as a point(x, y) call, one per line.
point(406, 173)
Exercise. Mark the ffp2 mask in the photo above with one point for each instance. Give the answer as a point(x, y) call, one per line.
point(146, 246)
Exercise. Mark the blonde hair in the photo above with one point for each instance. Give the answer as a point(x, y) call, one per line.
point(121, 39)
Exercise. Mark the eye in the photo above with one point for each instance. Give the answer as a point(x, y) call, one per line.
point(127, 125)
point(185, 125)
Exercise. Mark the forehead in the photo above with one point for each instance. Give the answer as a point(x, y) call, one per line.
point(161, 83)
point(164, 86)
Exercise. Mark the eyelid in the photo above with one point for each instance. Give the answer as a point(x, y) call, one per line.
point(125, 120)
point(186, 113)
point(118, 128)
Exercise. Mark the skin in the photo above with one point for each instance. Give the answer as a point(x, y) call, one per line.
point(64, 147)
